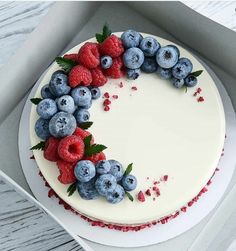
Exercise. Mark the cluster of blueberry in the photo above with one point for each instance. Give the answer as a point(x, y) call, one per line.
point(147, 55)
point(62, 107)
point(106, 178)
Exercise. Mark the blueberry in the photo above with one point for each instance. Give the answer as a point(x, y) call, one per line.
point(82, 96)
point(95, 92)
point(190, 81)
point(182, 68)
point(42, 128)
point(106, 62)
point(116, 169)
point(149, 65)
point(133, 73)
point(175, 48)
point(178, 83)
point(81, 115)
point(167, 56)
point(58, 85)
point(103, 166)
point(66, 104)
point(46, 108)
point(131, 38)
point(129, 182)
point(105, 183)
point(133, 58)
point(164, 73)
point(62, 124)
point(116, 196)
point(87, 190)
point(149, 46)
point(46, 93)
point(84, 170)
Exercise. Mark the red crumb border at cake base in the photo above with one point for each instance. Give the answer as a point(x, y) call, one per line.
point(136, 228)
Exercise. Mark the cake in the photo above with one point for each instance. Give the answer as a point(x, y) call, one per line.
point(171, 137)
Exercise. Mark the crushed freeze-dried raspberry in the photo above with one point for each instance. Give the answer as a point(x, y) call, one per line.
point(106, 102)
point(134, 88)
point(106, 108)
point(158, 193)
point(115, 96)
point(148, 192)
point(155, 182)
point(165, 177)
point(184, 209)
point(121, 85)
point(155, 188)
point(106, 95)
point(200, 99)
point(199, 90)
point(141, 196)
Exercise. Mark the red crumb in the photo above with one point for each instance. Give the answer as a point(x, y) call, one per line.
point(165, 177)
point(106, 95)
point(155, 182)
point(134, 88)
point(158, 193)
point(148, 192)
point(32, 157)
point(155, 188)
point(195, 94)
point(141, 196)
point(147, 178)
point(106, 102)
point(200, 99)
point(115, 96)
point(183, 209)
point(121, 85)
point(199, 90)
point(106, 108)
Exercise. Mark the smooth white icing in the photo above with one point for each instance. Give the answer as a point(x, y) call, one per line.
point(159, 128)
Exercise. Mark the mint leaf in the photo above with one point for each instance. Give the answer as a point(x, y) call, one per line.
point(99, 38)
point(39, 146)
point(94, 149)
point(87, 141)
point(65, 63)
point(36, 100)
point(106, 32)
point(128, 169)
point(130, 197)
point(196, 73)
point(85, 125)
point(71, 189)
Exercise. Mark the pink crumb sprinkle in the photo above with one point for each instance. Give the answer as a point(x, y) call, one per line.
point(141, 196)
point(121, 84)
point(134, 88)
point(199, 90)
point(148, 192)
point(195, 94)
point(155, 182)
point(106, 95)
point(115, 96)
point(106, 108)
point(165, 177)
point(106, 102)
point(158, 193)
point(200, 99)
point(155, 188)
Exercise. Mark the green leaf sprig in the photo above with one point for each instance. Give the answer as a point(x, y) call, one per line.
point(130, 197)
point(196, 73)
point(39, 146)
point(85, 125)
point(92, 149)
point(36, 101)
point(106, 32)
point(71, 189)
point(65, 63)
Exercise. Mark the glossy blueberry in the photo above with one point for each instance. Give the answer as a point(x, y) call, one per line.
point(167, 56)
point(149, 46)
point(87, 190)
point(46, 93)
point(46, 108)
point(42, 128)
point(116, 169)
point(149, 65)
point(95, 92)
point(190, 81)
point(164, 73)
point(131, 38)
point(66, 104)
point(178, 83)
point(116, 196)
point(129, 182)
point(133, 73)
point(62, 124)
point(103, 166)
point(105, 183)
point(81, 115)
point(106, 62)
point(182, 68)
point(82, 96)
point(133, 58)
point(58, 85)
point(84, 170)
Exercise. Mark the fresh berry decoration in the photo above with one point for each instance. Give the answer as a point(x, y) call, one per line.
point(50, 150)
point(131, 38)
point(66, 104)
point(42, 128)
point(149, 46)
point(66, 170)
point(87, 190)
point(46, 108)
point(82, 96)
point(105, 183)
point(58, 85)
point(73, 57)
point(79, 75)
point(133, 73)
point(98, 78)
point(112, 46)
point(84, 170)
point(167, 56)
point(95, 92)
point(116, 70)
point(81, 116)
point(106, 62)
point(133, 58)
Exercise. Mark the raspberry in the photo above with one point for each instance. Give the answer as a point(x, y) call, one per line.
point(141, 196)
point(79, 75)
point(98, 78)
point(71, 148)
point(116, 70)
point(50, 149)
point(96, 157)
point(112, 46)
point(73, 57)
point(89, 55)
point(66, 172)
point(82, 134)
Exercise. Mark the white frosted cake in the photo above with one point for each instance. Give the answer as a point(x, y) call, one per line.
point(173, 139)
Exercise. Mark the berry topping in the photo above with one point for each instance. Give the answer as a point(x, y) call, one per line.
point(182, 68)
point(106, 95)
point(133, 58)
point(87, 190)
point(116, 70)
point(106, 108)
point(82, 96)
point(105, 183)
point(190, 81)
point(116, 196)
point(73, 57)
point(149, 65)
point(89, 55)
point(134, 88)
point(164, 73)
point(133, 73)
point(106, 62)
point(141, 196)
point(115, 96)
point(129, 182)
point(96, 157)
point(42, 128)
point(82, 134)
point(84, 170)
point(167, 56)
point(66, 172)
point(81, 115)
point(71, 148)
point(58, 84)
point(50, 150)
point(200, 99)
point(103, 166)
point(95, 92)
point(112, 46)
point(79, 75)
point(149, 46)
point(46, 93)
point(116, 169)
point(178, 83)
point(46, 108)
point(131, 38)
point(98, 78)
point(66, 104)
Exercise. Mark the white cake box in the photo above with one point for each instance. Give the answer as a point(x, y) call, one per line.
point(191, 29)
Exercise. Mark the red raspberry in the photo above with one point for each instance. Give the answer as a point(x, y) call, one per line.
point(73, 57)
point(89, 55)
point(71, 148)
point(116, 70)
point(50, 149)
point(98, 78)
point(96, 157)
point(79, 75)
point(82, 134)
point(112, 46)
point(66, 172)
